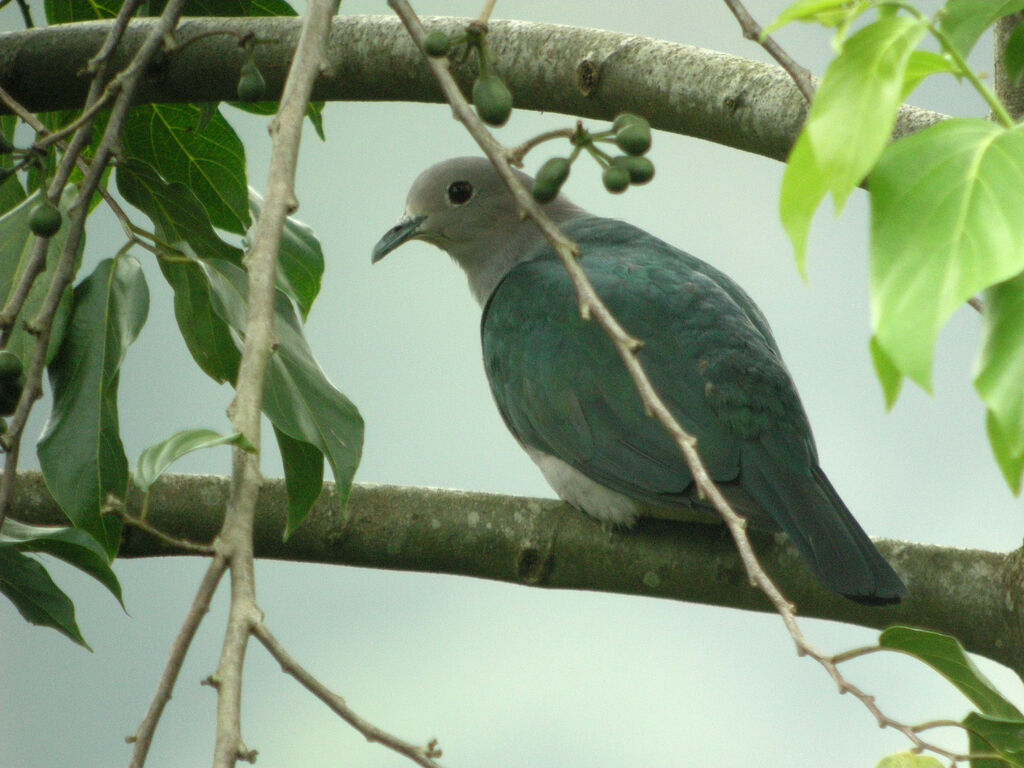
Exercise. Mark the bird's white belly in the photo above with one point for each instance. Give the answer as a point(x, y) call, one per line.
point(573, 486)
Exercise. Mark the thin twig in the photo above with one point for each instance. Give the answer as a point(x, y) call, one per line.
point(419, 755)
point(143, 737)
point(236, 533)
point(173, 541)
point(753, 31)
point(627, 347)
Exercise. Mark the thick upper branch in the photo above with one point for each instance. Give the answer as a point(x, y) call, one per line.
point(591, 73)
point(545, 543)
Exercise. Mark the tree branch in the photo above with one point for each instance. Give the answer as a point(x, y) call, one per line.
point(582, 72)
point(544, 543)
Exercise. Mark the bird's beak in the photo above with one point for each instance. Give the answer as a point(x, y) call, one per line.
point(406, 229)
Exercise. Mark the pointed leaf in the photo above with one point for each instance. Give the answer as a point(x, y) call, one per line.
point(80, 451)
point(155, 459)
point(67, 11)
point(921, 65)
point(824, 12)
point(300, 264)
point(1004, 736)
point(303, 478)
point(999, 373)
point(298, 398)
point(945, 225)
point(68, 544)
point(1011, 463)
point(181, 221)
point(854, 110)
point(946, 656)
point(803, 189)
point(964, 21)
point(1013, 55)
point(211, 162)
point(26, 583)
point(888, 374)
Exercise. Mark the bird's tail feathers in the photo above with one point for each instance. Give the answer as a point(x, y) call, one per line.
point(818, 523)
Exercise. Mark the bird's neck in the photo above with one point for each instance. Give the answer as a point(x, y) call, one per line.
point(519, 242)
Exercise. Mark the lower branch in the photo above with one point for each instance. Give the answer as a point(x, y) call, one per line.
point(420, 755)
point(971, 594)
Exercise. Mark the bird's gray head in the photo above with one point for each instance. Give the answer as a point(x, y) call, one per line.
point(462, 206)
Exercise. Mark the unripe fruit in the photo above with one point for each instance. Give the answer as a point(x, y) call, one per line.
point(634, 138)
point(251, 85)
point(10, 366)
point(615, 179)
point(640, 169)
point(492, 99)
point(625, 118)
point(550, 178)
point(44, 220)
point(436, 44)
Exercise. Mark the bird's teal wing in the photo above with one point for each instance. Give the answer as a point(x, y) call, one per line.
point(562, 388)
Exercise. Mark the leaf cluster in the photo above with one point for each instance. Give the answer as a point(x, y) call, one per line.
point(183, 168)
point(945, 202)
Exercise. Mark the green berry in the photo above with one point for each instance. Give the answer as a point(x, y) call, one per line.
point(615, 179)
point(10, 366)
point(640, 169)
point(251, 85)
point(550, 178)
point(436, 44)
point(492, 99)
point(625, 118)
point(634, 138)
point(44, 219)
point(12, 381)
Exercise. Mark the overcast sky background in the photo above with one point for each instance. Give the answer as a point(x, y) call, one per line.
point(505, 675)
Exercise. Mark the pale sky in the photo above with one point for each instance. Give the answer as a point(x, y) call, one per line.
point(505, 675)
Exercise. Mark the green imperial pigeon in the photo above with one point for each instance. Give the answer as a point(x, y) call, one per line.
point(566, 396)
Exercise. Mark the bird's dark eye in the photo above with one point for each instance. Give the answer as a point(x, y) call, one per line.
point(459, 192)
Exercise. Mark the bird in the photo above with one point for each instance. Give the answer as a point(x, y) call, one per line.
point(569, 401)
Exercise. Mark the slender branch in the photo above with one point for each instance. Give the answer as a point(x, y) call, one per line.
point(753, 31)
point(420, 755)
point(143, 737)
point(176, 542)
point(236, 534)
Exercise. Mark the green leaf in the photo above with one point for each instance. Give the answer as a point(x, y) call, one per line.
point(26, 583)
point(945, 225)
point(67, 11)
point(211, 162)
point(298, 398)
point(1013, 55)
point(828, 13)
point(80, 451)
point(155, 459)
point(1011, 464)
point(1004, 736)
point(854, 110)
point(964, 21)
point(888, 374)
point(849, 123)
point(946, 656)
point(999, 374)
point(909, 760)
point(803, 189)
point(303, 478)
point(314, 112)
point(251, 8)
point(921, 65)
point(16, 246)
point(71, 545)
point(300, 259)
point(181, 222)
